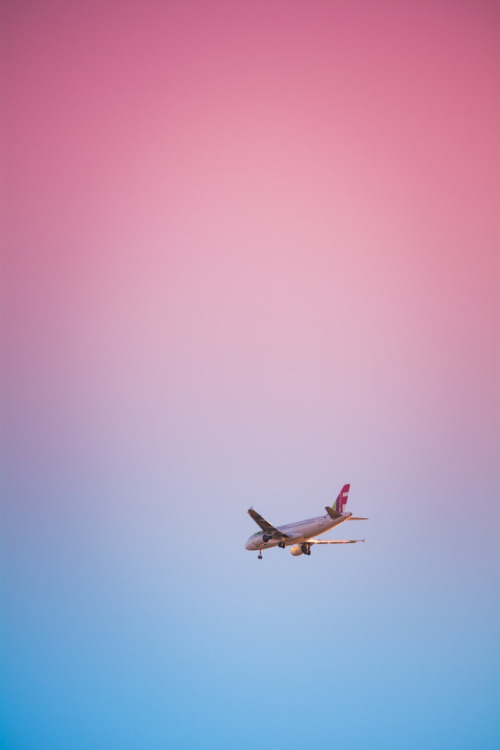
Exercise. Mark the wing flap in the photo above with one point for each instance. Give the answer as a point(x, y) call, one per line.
point(334, 541)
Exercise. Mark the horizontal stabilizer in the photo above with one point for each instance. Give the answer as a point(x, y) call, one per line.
point(357, 518)
point(333, 513)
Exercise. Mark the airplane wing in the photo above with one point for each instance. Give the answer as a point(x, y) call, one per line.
point(334, 541)
point(273, 532)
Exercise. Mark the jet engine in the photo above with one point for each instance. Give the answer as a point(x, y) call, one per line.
point(301, 549)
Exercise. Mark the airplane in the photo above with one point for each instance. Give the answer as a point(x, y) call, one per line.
point(300, 535)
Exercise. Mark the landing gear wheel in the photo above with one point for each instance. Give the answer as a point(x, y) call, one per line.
point(259, 557)
point(281, 545)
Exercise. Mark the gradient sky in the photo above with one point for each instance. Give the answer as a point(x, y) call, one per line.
point(250, 253)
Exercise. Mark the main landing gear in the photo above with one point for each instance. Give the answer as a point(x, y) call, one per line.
point(306, 549)
point(281, 545)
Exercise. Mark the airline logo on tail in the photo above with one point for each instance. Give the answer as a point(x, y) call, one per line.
point(341, 501)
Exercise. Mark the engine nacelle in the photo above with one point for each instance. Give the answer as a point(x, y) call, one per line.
point(296, 550)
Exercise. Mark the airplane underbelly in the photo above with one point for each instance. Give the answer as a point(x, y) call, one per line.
point(305, 535)
point(299, 539)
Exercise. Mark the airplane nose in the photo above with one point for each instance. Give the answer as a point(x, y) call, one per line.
point(249, 544)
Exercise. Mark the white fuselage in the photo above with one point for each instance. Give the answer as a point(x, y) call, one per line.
point(297, 533)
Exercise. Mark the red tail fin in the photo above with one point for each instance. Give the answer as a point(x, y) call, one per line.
point(341, 500)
